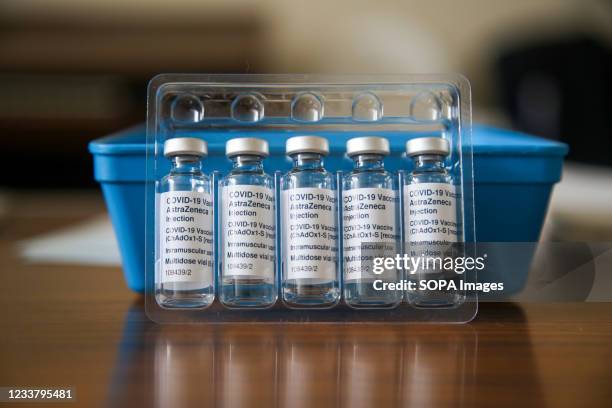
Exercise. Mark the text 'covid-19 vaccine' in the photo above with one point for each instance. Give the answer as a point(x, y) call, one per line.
point(248, 228)
point(184, 273)
point(309, 227)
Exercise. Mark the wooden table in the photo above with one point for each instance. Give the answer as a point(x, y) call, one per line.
point(71, 326)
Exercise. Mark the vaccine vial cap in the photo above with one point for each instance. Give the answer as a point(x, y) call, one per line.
point(188, 146)
point(307, 144)
point(367, 145)
point(248, 146)
point(427, 145)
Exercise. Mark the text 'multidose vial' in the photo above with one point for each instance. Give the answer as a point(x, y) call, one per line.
point(184, 277)
point(247, 225)
point(309, 225)
point(370, 224)
point(431, 218)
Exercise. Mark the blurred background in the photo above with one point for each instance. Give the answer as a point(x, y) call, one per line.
point(73, 70)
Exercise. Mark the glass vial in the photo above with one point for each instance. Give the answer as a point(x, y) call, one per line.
point(370, 220)
point(309, 227)
point(430, 219)
point(185, 233)
point(247, 228)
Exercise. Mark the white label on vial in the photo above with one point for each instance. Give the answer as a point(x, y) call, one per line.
point(247, 225)
point(430, 213)
point(368, 216)
point(310, 234)
point(186, 237)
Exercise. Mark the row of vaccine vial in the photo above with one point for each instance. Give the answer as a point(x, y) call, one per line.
point(309, 224)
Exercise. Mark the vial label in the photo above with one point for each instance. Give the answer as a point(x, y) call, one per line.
point(369, 217)
point(430, 213)
point(310, 234)
point(186, 237)
point(248, 231)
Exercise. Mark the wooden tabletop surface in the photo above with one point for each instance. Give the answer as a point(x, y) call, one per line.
point(79, 327)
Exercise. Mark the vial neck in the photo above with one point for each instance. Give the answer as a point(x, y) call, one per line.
point(307, 161)
point(249, 163)
point(186, 165)
point(428, 162)
point(368, 162)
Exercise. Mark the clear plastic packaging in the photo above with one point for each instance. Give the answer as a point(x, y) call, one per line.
point(319, 213)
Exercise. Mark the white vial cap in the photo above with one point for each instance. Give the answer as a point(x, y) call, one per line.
point(307, 144)
point(367, 145)
point(427, 145)
point(189, 146)
point(247, 145)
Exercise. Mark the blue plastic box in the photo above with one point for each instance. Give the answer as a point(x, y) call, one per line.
point(514, 175)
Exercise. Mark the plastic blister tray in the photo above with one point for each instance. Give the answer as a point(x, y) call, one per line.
point(219, 108)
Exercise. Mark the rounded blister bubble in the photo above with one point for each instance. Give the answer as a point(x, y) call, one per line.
point(307, 107)
point(425, 106)
point(367, 108)
point(247, 108)
point(446, 104)
point(187, 109)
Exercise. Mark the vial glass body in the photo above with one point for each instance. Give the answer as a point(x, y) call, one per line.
point(430, 178)
point(370, 216)
point(309, 234)
point(248, 235)
point(184, 273)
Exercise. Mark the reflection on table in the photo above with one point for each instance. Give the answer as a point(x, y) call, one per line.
point(299, 365)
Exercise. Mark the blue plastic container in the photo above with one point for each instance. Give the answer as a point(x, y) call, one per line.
point(514, 175)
